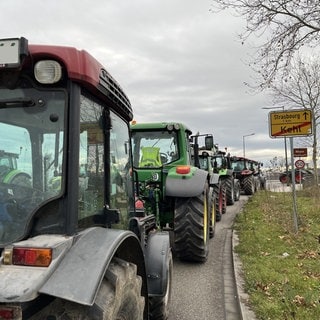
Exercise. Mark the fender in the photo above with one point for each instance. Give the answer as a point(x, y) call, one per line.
point(80, 273)
point(157, 255)
point(14, 173)
point(192, 185)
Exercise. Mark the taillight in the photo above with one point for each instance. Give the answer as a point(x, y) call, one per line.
point(10, 313)
point(183, 169)
point(139, 204)
point(35, 257)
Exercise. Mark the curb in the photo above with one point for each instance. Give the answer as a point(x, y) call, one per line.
point(243, 297)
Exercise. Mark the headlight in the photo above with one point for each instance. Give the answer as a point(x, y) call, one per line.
point(47, 71)
point(176, 126)
point(170, 127)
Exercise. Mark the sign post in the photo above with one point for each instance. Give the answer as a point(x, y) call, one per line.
point(291, 123)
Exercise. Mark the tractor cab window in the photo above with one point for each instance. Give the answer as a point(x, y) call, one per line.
point(121, 195)
point(204, 163)
point(104, 180)
point(31, 155)
point(91, 161)
point(238, 165)
point(154, 149)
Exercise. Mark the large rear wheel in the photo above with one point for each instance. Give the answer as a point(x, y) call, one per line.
point(229, 185)
point(191, 227)
point(119, 298)
point(248, 185)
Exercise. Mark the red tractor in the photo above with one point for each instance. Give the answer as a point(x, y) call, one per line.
point(249, 173)
point(71, 243)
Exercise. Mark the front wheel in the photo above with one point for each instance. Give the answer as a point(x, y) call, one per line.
point(237, 190)
point(191, 228)
point(119, 297)
point(219, 192)
point(159, 305)
point(212, 214)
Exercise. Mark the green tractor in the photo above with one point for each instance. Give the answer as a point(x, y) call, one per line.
point(223, 167)
point(218, 189)
point(169, 186)
point(9, 172)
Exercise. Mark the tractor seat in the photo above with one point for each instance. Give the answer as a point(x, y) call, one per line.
point(150, 157)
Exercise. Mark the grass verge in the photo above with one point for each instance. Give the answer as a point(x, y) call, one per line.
point(281, 267)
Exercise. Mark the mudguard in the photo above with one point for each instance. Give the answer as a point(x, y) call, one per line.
point(80, 273)
point(189, 185)
point(157, 254)
point(13, 174)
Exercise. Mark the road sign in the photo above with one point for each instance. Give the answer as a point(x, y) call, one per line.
point(290, 123)
point(300, 152)
point(299, 164)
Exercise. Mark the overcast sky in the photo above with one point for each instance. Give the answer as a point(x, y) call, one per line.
point(175, 59)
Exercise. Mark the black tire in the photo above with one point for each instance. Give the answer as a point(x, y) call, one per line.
point(248, 185)
point(213, 216)
point(119, 297)
point(237, 191)
point(191, 228)
point(224, 199)
point(229, 186)
point(159, 305)
point(216, 193)
point(285, 179)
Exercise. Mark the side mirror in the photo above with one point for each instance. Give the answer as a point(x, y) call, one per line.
point(208, 142)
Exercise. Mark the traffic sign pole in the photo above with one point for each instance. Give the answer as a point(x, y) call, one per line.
point(294, 195)
point(291, 123)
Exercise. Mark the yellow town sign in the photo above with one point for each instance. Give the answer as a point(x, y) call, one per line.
point(290, 123)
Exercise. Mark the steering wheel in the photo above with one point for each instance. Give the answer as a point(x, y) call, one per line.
point(164, 157)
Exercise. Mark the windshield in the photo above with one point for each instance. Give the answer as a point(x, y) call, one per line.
point(204, 163)
point(238, 165)
point(154, 148)
point(31, 155)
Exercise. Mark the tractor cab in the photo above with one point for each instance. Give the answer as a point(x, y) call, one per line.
point(168, 180)
point(154, 148)
point(66, 244)
point(55, 129)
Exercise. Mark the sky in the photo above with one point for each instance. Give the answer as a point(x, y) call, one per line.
point(175, 59)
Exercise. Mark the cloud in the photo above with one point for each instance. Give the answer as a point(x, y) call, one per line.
point(175, 59)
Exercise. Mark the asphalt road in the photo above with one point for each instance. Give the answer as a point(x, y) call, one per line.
point(208, 291)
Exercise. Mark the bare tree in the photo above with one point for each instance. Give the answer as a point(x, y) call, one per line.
point(301, 88)
point(286, 26)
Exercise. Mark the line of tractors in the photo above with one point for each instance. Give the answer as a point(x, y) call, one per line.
point(94, 206)
point(187, 186)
